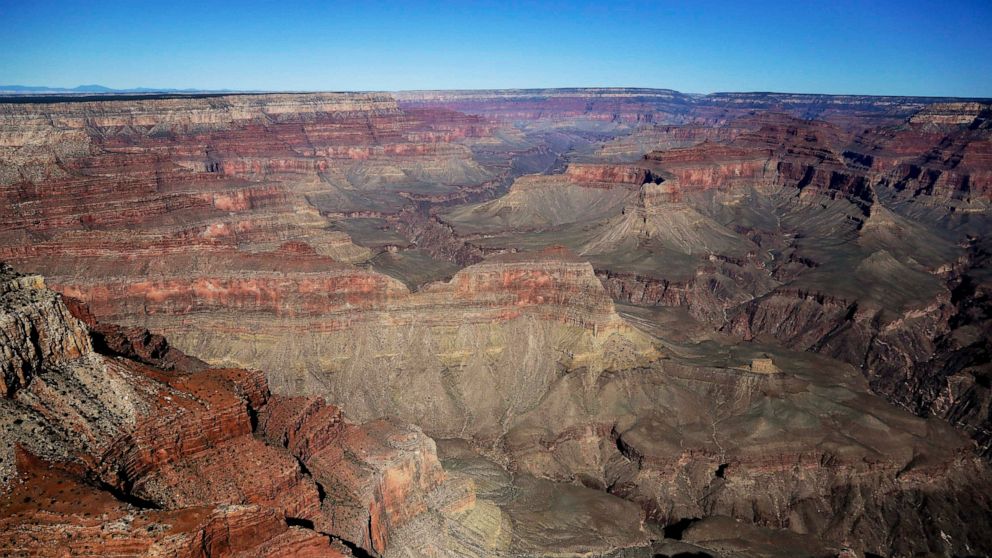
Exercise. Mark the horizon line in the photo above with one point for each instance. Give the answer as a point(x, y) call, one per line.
point(28, 90)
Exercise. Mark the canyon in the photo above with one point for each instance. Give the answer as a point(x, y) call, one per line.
point(564, 322)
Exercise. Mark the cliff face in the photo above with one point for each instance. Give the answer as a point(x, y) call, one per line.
point(31, 335)
point(516, 319)
point(736, 231)
point(221, 174)
point(778, 151)
point(219, 212)
point(106, 455)
point(603, 104)
point(109, 455)
point(665, 106)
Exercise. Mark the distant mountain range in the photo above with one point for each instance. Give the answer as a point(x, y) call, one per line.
point(94, 88)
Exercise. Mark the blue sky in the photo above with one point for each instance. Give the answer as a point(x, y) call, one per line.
point(884, 47)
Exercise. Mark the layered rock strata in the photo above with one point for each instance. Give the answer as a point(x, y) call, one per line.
point(776, 233)
point(109, 455)
point(537, 315)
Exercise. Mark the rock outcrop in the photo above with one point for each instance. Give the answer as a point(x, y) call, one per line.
point(108, 455)
point(105, 455)
point(32, 330)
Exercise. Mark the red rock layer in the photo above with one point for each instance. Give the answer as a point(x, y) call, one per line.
point(51, 513)
point(133, 343)
point(377, 477)
point(173, 464)
point(610, 174)
point(782, 151)
point(923, 158)
point(155, 211)
point(553, 283)
point(223, 181)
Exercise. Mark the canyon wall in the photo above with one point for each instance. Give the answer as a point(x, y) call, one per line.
point(866, 246)
point(622, 322)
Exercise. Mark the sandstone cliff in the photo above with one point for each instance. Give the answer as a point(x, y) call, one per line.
point(106, 455)
point(110, 456)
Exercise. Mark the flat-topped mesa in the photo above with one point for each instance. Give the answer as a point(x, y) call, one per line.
point(516, 319)
point(608, 176)
point(952, 114)
point(552, 283)
point(708, 166)
point(188, 113)
point(339, 324)
point(764, 365)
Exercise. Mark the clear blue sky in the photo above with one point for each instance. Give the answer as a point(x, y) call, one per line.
point(903, 47)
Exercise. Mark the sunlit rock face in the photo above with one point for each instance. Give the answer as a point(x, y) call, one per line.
point(114, 455)
point(774, 233)
point(109, 455)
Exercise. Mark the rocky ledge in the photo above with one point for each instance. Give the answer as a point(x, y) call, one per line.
point(107, 455)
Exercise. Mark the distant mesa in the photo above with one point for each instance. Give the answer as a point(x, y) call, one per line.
point(85, 89)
